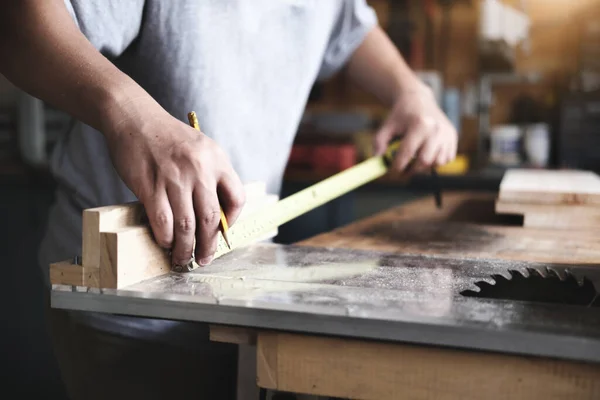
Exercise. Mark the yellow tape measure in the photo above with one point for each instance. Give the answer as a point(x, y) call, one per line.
point(259, 224)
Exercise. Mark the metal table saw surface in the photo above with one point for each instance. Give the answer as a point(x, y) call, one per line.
point(359, 294)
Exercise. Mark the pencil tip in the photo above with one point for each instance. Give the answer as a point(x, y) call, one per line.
point(226, 237)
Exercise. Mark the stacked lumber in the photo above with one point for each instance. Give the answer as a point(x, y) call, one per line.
point(562, 199)
point(118, 248)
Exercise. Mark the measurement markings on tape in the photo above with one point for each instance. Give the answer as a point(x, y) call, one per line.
point(271, 217)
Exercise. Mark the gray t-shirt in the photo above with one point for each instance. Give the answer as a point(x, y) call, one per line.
point(245, 67)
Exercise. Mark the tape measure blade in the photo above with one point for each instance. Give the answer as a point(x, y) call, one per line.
point(258, 224)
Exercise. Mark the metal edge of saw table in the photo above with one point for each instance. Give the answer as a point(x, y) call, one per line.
point(518, 343)
point(310, 319)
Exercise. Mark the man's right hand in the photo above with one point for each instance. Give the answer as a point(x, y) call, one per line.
point(175, 171)
point(181, 176)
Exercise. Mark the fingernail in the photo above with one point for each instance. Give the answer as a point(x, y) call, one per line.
point(180, 266)
point(205, 260)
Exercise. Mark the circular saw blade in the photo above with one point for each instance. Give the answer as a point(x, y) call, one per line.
point(542, 286)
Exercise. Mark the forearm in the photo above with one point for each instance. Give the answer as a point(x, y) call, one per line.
point(378, 67)
point(44, 53)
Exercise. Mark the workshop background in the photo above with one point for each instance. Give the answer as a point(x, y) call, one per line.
point(520, 80)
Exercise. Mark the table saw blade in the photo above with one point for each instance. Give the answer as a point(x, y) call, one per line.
point(538, 285)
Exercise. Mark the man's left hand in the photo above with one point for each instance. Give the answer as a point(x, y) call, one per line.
point(428, 137)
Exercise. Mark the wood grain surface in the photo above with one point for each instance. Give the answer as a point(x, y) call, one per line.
point(368, 370)
point(570, 216)
point(466, 226)
point(550, 187)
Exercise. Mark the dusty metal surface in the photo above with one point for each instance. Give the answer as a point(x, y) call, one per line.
point(406, 298)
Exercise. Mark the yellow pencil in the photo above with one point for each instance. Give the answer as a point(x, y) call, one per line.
point(224, 225)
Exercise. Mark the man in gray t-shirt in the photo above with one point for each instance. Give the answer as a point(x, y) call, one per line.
point(129, 71)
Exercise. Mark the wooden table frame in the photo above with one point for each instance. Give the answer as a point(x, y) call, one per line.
point(362, 369)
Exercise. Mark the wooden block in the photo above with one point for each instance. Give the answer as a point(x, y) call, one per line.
point(232, 334)
point(130, 255)
point(108, 260)
point(91, 277)
point(550, 187)
point(102, 219)
point(374, 370)
point(553, 216)
point(66, 273)
point(119, 249)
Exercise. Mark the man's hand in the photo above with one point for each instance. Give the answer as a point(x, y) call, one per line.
point(176, 173)
point(428, 137)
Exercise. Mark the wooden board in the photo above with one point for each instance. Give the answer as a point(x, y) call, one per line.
point(67, 273)
point(373, 370)
point(129, 256)
point(553, 216)
point(525, 186)
point(119, 249)
point(105, 219)
point(466, 226)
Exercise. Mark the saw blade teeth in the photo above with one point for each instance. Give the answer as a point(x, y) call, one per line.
point(570, 278)
point(483, 285)
point(534, 273)
point(516, 274)
point(587, 282)
point(561, 274)
point(568, 274)
point(547, 285)
point(551, 273)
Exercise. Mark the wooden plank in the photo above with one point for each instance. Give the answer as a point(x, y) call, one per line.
point(232, 334)
point(553, 216)
point(550, 187)
point(108, 260)
point(466, 226)
point(130, 255)
point(66, 273)
point(375, 370)
point(91, 277)
point(90, 245)
point(118, 246)
point(103, 219)
point(114, 217)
